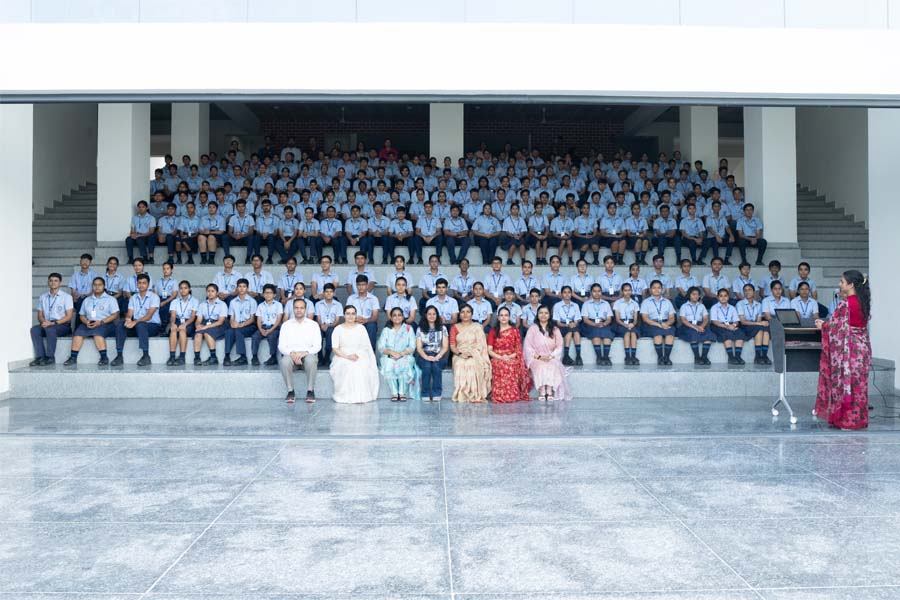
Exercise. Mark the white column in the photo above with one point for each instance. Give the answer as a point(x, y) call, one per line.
point(123, 167)
point(884, 243)
point(190, 130)
point(16, 156)
point(770, 166)
point(446, 132)
point(699, 135)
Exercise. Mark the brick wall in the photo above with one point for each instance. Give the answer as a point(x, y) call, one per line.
point(412, 136)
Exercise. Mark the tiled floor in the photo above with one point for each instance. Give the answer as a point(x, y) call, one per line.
point(115, 500)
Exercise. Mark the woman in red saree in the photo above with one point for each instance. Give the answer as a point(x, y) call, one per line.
point(512, 381)
point(843, 394)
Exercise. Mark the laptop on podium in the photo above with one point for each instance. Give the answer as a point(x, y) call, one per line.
point(790, 318)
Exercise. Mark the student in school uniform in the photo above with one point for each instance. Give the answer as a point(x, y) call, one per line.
point(165, 288)
point(96, 318)
point(526, 282)
point(561, 230)
point(226, 280)
point(210, 325)
point(612, 234)
point(596, 317)
point(552, 283)
point(115, 283)
point(400, 234)
point(567, 317)
point(401, 298)
point(486, 232)
point(665, 230)
point(309, 237)
point(287, 280)
point(530, 308)
point(694, 326)
point(267, 227)
point(143, 234)
point(129, 288)
point(482, 309)
point(331, 233)
point(718, 233)
point(804, 304)
point(269, 314)
point(299, 293)
point(691, 234)
point(81, 281)
point(258, 277)
point(610, 281)
point(447, 306)
point(212, 234)
point(367, 307)
point(54, 316)
point(399, 271)
point(141, 321)
point(509, 303)
point(186, 234)
point(183, 313)
point(317, 283)
point(359, 268)
point(639, 285)
point(581, 283)
point(428, 232)
point(750, 230)
point(775, 300)
point(167, 231)
point(750, 313)
point(328, 315)
point(585, 236)
point(456, 235)
point(495, 281)
point(539, 235)
point(626, 323)
point(241, 323)
point(658, 317)
point(774, 275)
point(355, 229)
point(713, 282)
point(726, 325)
point(803, 270)
point(514, 234)
point(242, 231)
point(744, 278)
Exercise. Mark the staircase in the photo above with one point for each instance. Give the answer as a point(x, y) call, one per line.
point(830, 240)
point(61, 235)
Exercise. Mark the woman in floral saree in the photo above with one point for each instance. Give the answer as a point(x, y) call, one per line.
point(396, 349)
point(511, 379)
point(471, 364)
point(843, 394)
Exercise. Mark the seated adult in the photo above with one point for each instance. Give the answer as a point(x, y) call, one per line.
point(299, 343)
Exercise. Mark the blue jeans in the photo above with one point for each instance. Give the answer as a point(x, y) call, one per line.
point(431, 376)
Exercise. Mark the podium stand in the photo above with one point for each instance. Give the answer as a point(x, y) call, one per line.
point(794, 349)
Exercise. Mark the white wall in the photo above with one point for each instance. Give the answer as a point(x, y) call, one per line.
point(65, 148)
point(832, 156)
point(878, 14)
point(446, 130)
point(17, 133)
point(884, 243)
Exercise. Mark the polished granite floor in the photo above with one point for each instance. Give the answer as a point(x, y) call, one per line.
point(588, 500)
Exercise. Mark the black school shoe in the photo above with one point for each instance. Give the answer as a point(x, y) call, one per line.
point(211, 361)
point(227, 361)
point(271, 361)
point(239, 362)
point(579, 362)
point(255, 362)
point(118, 361)
point(197, 361)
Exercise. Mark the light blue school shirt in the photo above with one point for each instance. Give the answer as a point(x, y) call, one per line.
point(55, 306)
point(750, 226)
point(748, 311)
point(716, 282)
point(596, 310)
point(627, 311)
point(143, 224)
point(364, 306)
point(210, 312)
point(657, 310)
point(428, 226)
point(329, 313)
point(566, 313)
point(141, 306)
point(97, 309)
point(486, 225)
point(227, 283)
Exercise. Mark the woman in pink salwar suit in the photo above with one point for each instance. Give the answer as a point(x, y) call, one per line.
point(543, 356)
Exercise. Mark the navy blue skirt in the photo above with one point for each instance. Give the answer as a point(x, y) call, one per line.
point(592, 331)
point(621, 331)
point(654, 330)
point(751, 330)
point(216, 333)
point(695, 337)
point(723, 335)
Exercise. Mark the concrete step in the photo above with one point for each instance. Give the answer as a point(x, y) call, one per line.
point(45, 244)
point(806, 215)
point(66, 229)
point(828, 230)
point(66, 222)
point(817, 244)
point(835, 252)
point(804, 238)
point(70, 207)
point(65, 214)
point(824, 222)
point(61, 252)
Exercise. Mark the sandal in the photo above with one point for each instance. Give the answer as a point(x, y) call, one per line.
point(402, 398)
point(395, 398)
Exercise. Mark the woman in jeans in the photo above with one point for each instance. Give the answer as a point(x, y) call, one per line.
point(432, 345)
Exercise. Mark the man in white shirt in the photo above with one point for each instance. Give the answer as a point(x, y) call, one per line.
point(299, 343)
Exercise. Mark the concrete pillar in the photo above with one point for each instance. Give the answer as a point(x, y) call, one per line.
point(699, 136)
point(17, 157)
point(770, 166)
point(446, 131)
point(123, 167)
point(884, 243)
point(190, 130)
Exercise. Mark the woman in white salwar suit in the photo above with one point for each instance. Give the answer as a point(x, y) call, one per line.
point(354, 369)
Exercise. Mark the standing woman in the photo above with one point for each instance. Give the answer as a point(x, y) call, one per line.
point(353, 368)
point(511, 380)
point(397, 348)
point(843, 395)
point(543, 355)
point(471, 363)
point(432, 346)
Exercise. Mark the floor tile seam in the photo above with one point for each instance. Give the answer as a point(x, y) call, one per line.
point(688, 529)
point(447, 521)
point(61, 480)
point(213, 522)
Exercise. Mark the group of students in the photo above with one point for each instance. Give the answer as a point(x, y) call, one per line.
point(597, 307)
point(287, 204)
